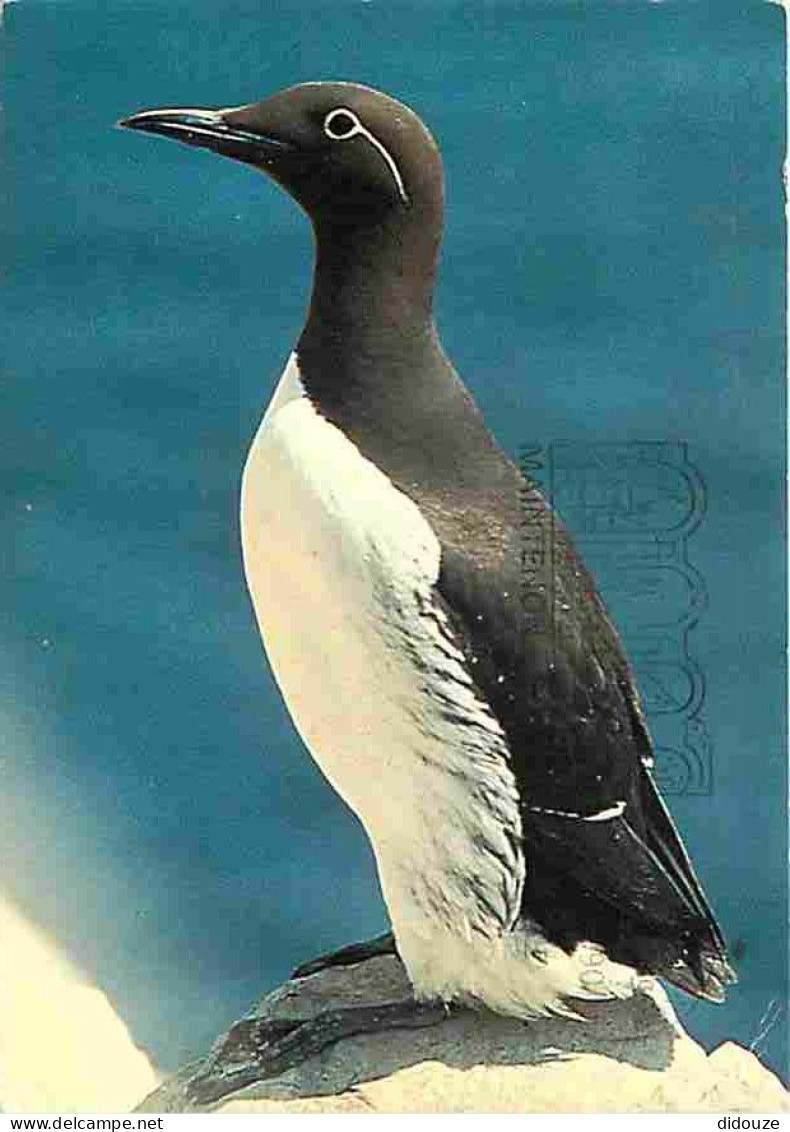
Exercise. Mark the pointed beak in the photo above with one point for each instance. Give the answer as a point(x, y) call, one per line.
point(210, 129)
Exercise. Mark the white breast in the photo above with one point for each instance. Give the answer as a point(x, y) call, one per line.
point(341, 568)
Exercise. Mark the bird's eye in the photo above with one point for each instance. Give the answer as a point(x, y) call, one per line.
point(341, 124)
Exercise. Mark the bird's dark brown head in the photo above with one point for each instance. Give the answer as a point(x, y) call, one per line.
point(347, 154)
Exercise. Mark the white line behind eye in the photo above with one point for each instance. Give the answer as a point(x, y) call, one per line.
point(356, 129)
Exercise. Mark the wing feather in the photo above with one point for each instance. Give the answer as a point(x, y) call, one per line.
point(548, 660)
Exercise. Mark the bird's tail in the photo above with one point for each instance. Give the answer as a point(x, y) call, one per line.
point(701, 970)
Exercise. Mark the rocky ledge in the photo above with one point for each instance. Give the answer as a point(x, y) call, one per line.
point(630, 1056)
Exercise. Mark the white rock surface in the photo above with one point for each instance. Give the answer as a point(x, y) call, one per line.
point(63, 1047)
point(626, 1057)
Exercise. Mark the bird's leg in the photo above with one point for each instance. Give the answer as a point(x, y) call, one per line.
point(354, 953)
point(258, 1048)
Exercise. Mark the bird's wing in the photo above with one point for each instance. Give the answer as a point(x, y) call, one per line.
point(546, 658)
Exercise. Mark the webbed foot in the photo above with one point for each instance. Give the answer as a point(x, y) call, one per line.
point(257, 1049)
point(353, 953)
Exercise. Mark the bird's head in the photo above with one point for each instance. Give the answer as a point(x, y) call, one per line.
point(347, 154)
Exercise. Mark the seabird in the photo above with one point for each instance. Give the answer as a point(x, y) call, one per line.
point(441, 648)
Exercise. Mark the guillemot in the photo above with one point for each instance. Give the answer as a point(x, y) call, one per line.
point(480, 717)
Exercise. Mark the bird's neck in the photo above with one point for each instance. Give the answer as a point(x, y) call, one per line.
point(372, 287)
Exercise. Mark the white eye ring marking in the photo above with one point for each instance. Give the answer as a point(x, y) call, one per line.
point(356, 129)
point(342, 135)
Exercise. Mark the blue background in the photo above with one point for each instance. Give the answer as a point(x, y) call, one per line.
point(613, 269)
